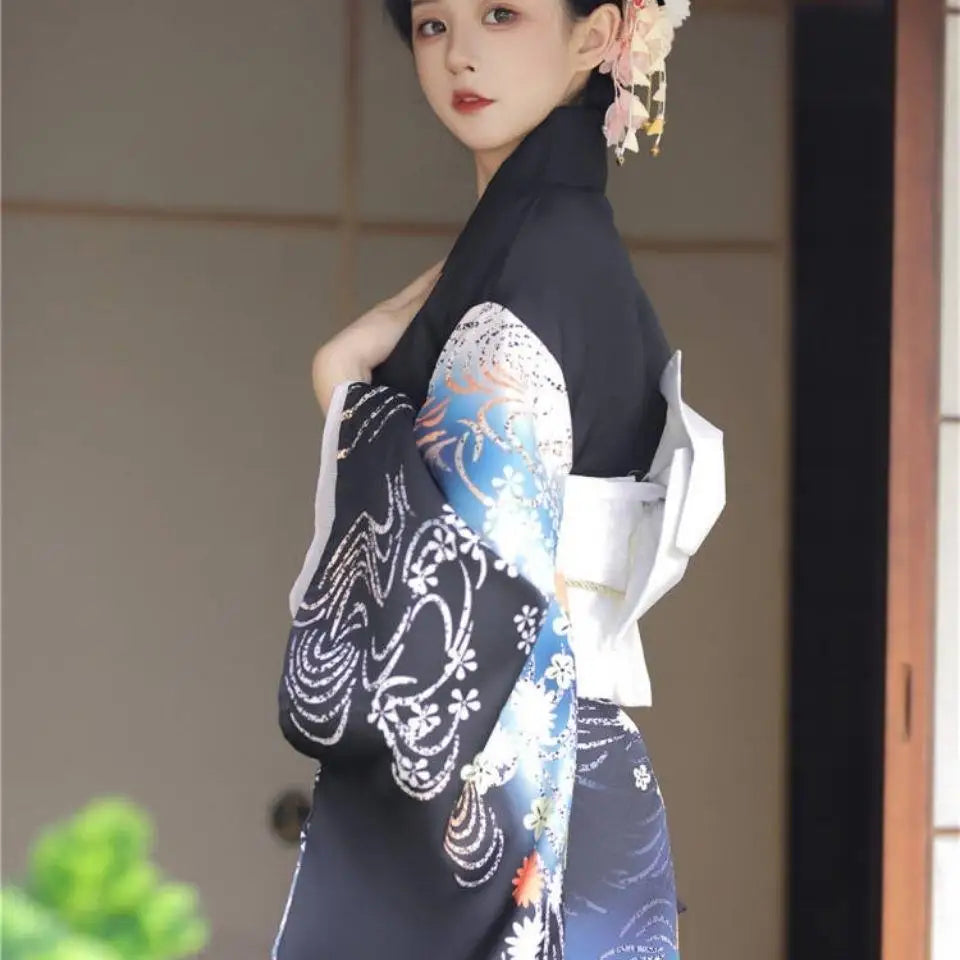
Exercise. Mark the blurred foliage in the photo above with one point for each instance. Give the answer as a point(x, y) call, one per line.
point(91, 893)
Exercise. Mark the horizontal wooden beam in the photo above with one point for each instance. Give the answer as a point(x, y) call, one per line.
point(334, 223)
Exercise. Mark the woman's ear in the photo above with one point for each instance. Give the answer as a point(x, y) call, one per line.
point(595, 34)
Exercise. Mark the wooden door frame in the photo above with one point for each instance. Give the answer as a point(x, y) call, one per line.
point(912, 513)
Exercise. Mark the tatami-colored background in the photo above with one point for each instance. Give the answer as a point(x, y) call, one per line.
point(197, 194)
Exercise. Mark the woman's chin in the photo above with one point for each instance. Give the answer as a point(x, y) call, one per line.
point(478, 133)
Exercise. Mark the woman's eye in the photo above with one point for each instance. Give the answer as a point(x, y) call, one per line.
point(430, 28)
point(499, 15)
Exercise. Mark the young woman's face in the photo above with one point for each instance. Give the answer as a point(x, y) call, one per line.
point(492, 71)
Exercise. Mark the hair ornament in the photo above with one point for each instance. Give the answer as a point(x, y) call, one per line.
point(637, 59)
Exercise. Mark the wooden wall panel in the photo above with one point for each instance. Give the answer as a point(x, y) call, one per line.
point(914, 409)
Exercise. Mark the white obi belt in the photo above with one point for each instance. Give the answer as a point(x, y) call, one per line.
point(624, 543)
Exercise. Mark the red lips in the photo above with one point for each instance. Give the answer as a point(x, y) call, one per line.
point(467, 101)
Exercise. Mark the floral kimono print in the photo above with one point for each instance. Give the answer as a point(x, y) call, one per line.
point(480, 794)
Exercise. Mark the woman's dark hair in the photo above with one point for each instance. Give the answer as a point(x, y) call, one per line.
point(598, 90)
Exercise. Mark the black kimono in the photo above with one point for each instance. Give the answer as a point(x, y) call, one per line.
point(481, 795)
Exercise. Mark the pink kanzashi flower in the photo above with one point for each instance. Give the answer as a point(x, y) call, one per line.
point(635, 58)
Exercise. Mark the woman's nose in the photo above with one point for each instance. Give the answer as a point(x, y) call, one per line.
point(460, 52)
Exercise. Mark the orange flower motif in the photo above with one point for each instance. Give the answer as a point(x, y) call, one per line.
point(528, 882)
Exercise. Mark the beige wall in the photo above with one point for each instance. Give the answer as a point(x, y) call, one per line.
point(180, 233)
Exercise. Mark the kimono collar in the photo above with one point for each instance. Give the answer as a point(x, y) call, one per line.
point(567, 148)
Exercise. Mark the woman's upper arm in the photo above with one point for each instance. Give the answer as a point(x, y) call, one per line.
point(497, 416)
point(499, 350)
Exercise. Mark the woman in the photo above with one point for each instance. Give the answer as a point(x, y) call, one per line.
point(464, 626)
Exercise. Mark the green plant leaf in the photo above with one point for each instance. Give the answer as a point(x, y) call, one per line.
point(91, 887)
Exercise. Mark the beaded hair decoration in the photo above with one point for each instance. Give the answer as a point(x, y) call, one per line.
point(638, 59)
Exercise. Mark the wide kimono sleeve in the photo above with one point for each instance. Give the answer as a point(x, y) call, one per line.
point(428, 667)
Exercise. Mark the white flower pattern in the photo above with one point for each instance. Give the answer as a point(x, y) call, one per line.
point(383, 712)
point(445, 544)
point(423, 719)
point(481, 773)
point(534, 707)
point(470, 544)
point(561, 670)
point(461, 705)
point(525, 942)
point(642, 776)
point(539, 816)
point(413, 771)
point(510, 484)
point(464, 662)
point(423, 577)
